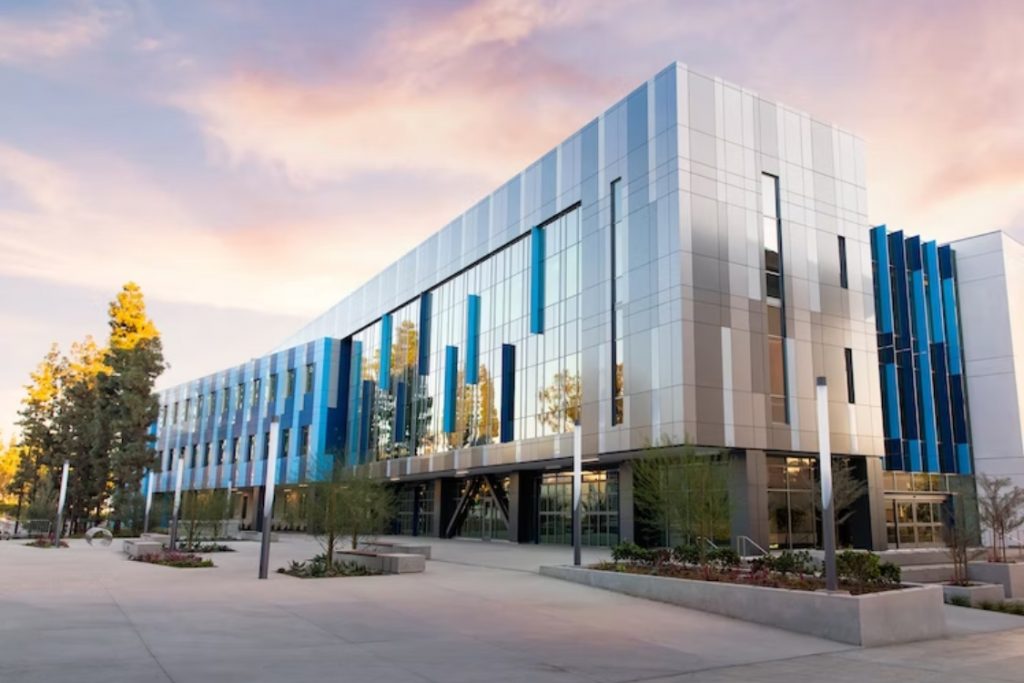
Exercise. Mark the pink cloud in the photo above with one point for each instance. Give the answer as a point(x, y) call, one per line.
point(22, 41)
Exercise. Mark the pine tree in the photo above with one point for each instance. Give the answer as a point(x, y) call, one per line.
point(135, 359)
point(38, 422)
point(84, 436)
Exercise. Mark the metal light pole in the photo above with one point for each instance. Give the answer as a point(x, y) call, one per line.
point(577, 494)
point(173, 541)
point(828, 519)
point(60, 505)
point(270, 478)
point(149, 502)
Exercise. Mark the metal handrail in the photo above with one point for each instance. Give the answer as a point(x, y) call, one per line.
point(743, 541)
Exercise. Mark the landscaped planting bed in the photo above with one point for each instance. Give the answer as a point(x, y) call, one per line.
point(44, 542)
point(785, 591)
point(320, 568)
point(175, 559)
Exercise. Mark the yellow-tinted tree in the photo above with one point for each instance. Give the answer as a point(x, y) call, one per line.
point(560, 402)
point(136, 360)
point(10, 461)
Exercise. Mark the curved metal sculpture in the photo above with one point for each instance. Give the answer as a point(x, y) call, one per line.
point(99, 534)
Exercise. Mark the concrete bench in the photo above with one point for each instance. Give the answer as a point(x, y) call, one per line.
point(134, 549)
point(386, 563)
point(388, 547)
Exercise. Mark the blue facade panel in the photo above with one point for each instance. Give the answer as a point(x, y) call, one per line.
point(451, 369)
point(920, 364)
point(423, 350)
point(537, 280)
point(384, 374)
point(472, 339)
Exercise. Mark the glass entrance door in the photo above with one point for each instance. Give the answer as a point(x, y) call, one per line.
point(914, 522)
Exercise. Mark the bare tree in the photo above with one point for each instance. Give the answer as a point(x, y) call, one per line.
point(847, 489)
point(959, 529)
point(1001, 506)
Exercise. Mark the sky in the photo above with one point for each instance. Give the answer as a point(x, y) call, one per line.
point(249, 163)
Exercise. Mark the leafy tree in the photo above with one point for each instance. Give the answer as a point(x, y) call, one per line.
point(10, 464)
point(43, 505)
point(1001, 507)
point(683, 494)
point(201, 515)
point(959, 528)
point(346, 504)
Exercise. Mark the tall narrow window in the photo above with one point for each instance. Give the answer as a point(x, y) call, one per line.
point(235, 454)
point(188, 409)
point(272, 388)
point(304, 441)
point(199, 404)
point(266, 445)
point(843, 277)
point(775, 298)
point(618, 267)
point(289, 383)
point(851, 396)
point(250, 446)
point(309, 378)
point(220, 451)
point(239, 396)
point(255, 397)
point(174, 413)
point(286, 436)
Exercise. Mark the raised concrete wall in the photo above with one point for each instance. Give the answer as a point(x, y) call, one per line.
point(898, 616)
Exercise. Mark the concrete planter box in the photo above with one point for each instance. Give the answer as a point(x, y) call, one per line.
point(134, 549)
point(1008, 574)
point(386, 563)
point(886, 618)
point(411, 548)
point(978, 593)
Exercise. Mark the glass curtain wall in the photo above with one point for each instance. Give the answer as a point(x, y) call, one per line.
point(397, 385)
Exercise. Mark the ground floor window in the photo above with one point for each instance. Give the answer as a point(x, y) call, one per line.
point(792, 521)
point(415, 510)
point(910, 523)
point(484, 517)
point(599, 502)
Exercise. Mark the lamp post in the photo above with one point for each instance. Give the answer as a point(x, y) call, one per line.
point(149, 501)
point(270, 477)
point(60, 505)
point(173, 540)
point(828, 522)
point(577, 494)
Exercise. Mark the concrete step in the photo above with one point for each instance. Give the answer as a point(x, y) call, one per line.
point(915, 556)
point(928, 573)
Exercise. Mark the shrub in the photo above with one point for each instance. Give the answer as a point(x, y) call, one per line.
point(960, 601)
point(687, 554)
point(786, 562)
point(44, 542)
point(891, 573)
point(631, 552)
point(866, 569)
point(723, 559)
point(318, 568)
point(173, 558)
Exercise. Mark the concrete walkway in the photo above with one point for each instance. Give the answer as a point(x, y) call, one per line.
point(479, 613)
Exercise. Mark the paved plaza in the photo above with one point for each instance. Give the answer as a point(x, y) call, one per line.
point(479, 613)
